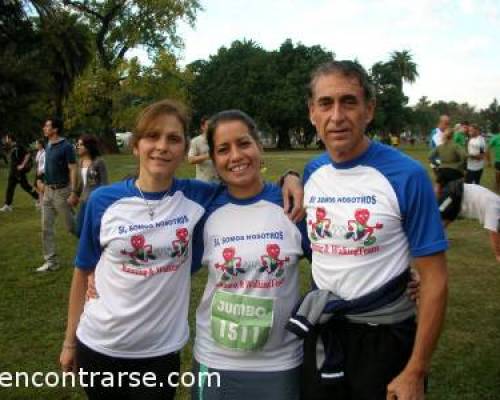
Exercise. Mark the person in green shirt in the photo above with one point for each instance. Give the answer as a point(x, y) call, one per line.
point(494, 146)
point(460, 132)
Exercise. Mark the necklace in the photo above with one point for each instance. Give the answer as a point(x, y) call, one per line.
point(150, 207)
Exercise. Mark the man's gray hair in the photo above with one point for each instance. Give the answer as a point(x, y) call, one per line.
point(347, 68)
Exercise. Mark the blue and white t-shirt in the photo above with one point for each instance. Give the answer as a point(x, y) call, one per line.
point(252, 252)
point(367, 217)
point(142, 267)
point(437, 138)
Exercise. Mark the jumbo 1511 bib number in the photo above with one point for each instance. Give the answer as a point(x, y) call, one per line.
point(241, 322)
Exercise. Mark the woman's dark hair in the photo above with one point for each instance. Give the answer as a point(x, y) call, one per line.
point(91, 144)
point(57, 123)
point(228, 116)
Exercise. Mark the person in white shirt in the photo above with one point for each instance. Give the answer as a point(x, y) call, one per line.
point(199, 155)
point(40, 169)
point(136, 238)
point(252, 252)
point(137, 241)
point(465, 200)
point(476, 153)
point(371, 211)
point(437, 134)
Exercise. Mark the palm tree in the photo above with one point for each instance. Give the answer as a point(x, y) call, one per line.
point(67, 48)
point(403, 64)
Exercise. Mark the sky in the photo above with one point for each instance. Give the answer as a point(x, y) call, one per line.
point(455, 43)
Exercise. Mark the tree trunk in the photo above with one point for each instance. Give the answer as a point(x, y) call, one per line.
point(108, 135)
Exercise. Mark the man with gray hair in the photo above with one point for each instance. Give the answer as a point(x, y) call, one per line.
point(371, 211)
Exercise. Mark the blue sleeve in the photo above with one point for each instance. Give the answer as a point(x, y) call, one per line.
point(89, 247)
point(200, 192)
point(198, 245)
point(306, 243)
point(421, 219)
point(313, 165)
point(70, 154)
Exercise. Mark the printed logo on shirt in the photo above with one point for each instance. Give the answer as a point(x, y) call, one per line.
point(231, 266)
point(320, 229)
point(271, 263)
point(323, 228)
point(127, 229)
point(142, 254)
point(180, 245)
point(358, 228)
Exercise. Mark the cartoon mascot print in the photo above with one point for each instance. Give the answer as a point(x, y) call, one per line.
point(358, 227)
point(180, 245)
point(231, 265)
point(271, 262)
point(320, 229)
point(141, 253)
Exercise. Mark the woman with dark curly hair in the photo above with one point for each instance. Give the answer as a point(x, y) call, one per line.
point(93, 173)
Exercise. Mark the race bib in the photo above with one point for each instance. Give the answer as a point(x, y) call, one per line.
point(241, 322)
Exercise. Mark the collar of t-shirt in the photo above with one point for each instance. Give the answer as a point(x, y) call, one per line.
point(366, 155)
point(152, 195)
point(249, 200)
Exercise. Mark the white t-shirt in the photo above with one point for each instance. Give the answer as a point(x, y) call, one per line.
point(142, 267)
point(437, 138)
point(83, 171)
point(367, 217)
point(475, 146)
point(205, 170)
point(252, 251)
point(40, 161)
point(481, 204)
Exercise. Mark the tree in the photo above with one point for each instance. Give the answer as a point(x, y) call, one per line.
point(423, 117)
point(22, 80)
point(235, 77)
point(138, 86)
point(491, 115)
point(119, 25)
point(270, 86)
point(404, 67)
point(287, 111)
point(43, 50)
point(67, 51)
point(391, 114)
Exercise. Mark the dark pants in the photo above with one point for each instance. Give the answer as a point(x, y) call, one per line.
point(473, 176)
point(373, 356)
point(132, 371)
point(13, 180)
point(446, 175)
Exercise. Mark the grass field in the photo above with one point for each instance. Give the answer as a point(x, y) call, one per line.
point(33, 306)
